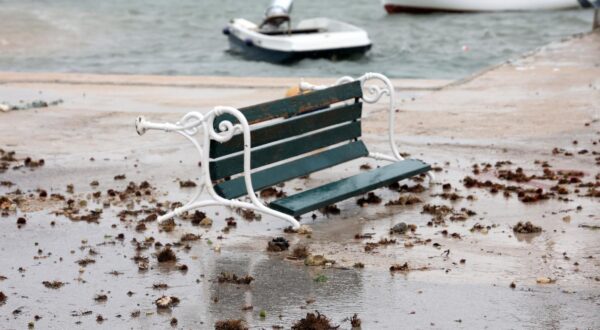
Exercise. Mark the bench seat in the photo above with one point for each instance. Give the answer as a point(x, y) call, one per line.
point(334, 192)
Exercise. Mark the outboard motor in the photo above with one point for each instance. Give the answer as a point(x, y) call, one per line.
point(277, 14)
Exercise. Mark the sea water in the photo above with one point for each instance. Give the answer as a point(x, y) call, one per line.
point(184, 37)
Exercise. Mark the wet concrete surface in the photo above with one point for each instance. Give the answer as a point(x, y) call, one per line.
point(454, 128)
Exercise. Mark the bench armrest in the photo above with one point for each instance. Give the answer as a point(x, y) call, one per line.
point(371, 94)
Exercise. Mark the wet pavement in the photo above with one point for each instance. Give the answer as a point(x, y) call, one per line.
point(459, 276)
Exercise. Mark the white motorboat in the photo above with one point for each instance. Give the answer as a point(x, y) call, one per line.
point(276, 41)
point(425, 6)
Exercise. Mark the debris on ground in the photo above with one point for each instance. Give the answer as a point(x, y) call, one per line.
point(364, 236)
point(526, 228)
point(187, 184)
point(370, 199)
point(355, 322)
point(53, 284)
point(300, 252)
point(231, 325)
point(190, 237)
point(544, 280)
point(206, 222)
point(302, 230)
point(119, 177)
point(317, 260)
point(86, 261)
point(160, 286)
point(314, 321)
point(272, 192)
point(592, 227)
point(330, 209)
point(399, 267)
point(249, 215)
point(278, 244)
point(359, 265)
point(402, 228)
point(30, 105)
point(3, 298)
point(166, 255)
point(167, 225)
point(320, 278)
point(226, 277)
point(101, 297)
point(405, 200)
point(166, 302)
point(173, 322)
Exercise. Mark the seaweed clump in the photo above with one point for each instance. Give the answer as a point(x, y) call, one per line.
point(314, 321)
point(231, 325)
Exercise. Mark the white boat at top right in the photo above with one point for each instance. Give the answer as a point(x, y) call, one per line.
point(427, 6)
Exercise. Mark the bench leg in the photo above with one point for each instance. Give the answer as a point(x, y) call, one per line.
point(191, 124)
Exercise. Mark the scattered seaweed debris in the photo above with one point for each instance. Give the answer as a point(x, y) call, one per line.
point(231, 325)
point(526, 228)
point(166, 255)
point(402, 228)
point(405, 200)
point(370, 199)
point(226, 277)
point(330, 209)
point(101, 298)
point(303, 230)
point(3, 298)
point(545, 280)
point(400, 268)
point(272, 192)
point(53, 284)
point(278, 244)
point(355, 321)
point(166, 302)
point(197, 217)
point(160, 286)
point(174, 322)
point(300, 252)
point(190, 237)
point(187, 184)
point(167, 225)
point(317, 260)
point(314, 321)
point(86, 261)
point(359, 265)
point(249, 215)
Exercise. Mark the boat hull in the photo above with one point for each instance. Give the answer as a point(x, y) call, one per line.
point(257, 53)
point(428, 6)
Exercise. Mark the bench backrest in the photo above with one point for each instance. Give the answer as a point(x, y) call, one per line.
point(311, 123)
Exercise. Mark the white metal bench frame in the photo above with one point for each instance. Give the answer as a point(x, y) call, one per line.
point(194, 122)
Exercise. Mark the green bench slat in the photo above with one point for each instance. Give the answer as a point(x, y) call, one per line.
point(237, 187)
point(313, 199)
point(288, 128)
point(296, 104)
point(232, 165)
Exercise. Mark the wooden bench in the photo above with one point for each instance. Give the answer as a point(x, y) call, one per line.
point(260, 146)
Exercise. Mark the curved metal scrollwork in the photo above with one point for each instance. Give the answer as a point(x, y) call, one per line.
point(190, 125)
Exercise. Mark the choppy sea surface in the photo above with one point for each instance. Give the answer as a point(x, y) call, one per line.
point(184, 37)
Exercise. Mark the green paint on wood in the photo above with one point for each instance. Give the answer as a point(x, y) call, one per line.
point(296, 104)
point(273, 153)
point(280, 173)
point(288, 128)
point(334, 192)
